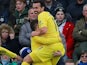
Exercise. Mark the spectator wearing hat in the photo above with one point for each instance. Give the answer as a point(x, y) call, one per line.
point(66, 28)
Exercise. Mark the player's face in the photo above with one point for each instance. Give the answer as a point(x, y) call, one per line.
point(20, 6)
point(32, 15)
point(60, 15)
point(4, 34)
point(37, 7)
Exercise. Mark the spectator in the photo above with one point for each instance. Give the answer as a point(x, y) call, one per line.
point(6, 53)
point(71, 1)
point(66, 28)
point(6, 60)
point(12, 6)
point(80, 35)
point(83, 58)
point(25, 31)
point(8, 39)
point(51, 5)
point(75, 10)
point(66, 3)
point(20, 13)
point(4, 11)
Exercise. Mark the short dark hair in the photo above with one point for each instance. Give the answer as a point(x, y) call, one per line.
point(33, 24)
point(39, 1)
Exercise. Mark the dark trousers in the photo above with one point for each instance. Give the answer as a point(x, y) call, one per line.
point(61, 61)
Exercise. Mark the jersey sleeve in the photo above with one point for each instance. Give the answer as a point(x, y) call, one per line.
point(7, 52)
point(44, 40)
point(42, 20)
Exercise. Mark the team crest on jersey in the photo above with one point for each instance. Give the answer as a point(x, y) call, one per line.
point(40, 47)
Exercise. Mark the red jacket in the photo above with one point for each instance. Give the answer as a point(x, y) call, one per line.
point(67, 31)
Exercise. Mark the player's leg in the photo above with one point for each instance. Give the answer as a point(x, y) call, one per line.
point(9, 53)
point(25, 63)
point(43, 53)
point(27, 60)
point(62, 50)
point(43, 63)
point(30, 58)
point(40, 55)
point(55, 60)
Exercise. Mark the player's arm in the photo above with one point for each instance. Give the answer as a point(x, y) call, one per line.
point(39, 32)
point(9, 53)
point(44, 40)
point(43, 30)
point(42, 24)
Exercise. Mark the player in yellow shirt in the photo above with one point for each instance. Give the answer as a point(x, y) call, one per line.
point(43, 41)
point(47, 30)
point(9, 53)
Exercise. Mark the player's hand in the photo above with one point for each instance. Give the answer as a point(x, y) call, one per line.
point(58, 53)
point(19, 58)
point(35, 33)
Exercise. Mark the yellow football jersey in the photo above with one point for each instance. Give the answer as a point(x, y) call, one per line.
point(45, 19)
point(7, 52)
point(44, 45)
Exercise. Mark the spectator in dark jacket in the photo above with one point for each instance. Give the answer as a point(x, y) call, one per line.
point(4, 11)
point(8, 39)
point(80, 35)
point(20, 14)
point(51, 5)
point(75, 10)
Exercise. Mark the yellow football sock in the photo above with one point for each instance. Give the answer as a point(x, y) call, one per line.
point(25, 63)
